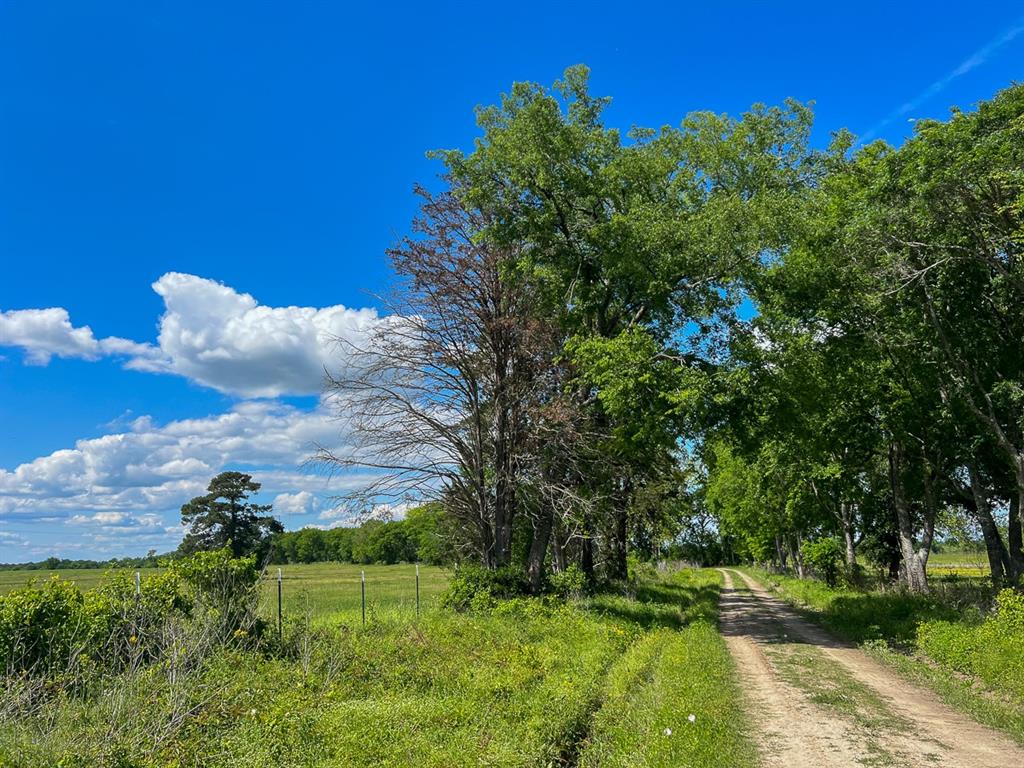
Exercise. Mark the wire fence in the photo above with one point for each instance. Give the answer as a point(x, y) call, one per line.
point(326, 593)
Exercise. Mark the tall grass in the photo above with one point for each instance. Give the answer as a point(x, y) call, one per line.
point(528, 683)
point(671, 699)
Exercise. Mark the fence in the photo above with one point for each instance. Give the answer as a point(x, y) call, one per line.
point(325, 593)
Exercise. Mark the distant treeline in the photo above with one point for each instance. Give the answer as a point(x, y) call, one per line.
point(418, 538)
point(151, 560)
point(415, 539)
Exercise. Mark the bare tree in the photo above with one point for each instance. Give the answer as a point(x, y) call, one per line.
point(442, 395)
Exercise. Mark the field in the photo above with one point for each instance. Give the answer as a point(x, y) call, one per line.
point(686, 668)
point(958, 564)
point(330, 592)
point(638, 678)
point(85, 578)
point(322, 592)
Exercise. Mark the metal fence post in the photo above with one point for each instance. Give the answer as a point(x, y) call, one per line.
point(280, 623)
point(137, 620)
point(363, 587)
point(417, 589)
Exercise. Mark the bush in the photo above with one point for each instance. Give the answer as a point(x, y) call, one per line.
point(474, 587)
point(222, 590)
point(824, 556)
point(638, 570)
point(43, 628)
point(56, 632)
point(570, 583)
point(989, 649)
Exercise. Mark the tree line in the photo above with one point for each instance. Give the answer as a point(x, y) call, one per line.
point(877, 396)
point(713, 339)
point(602, 342)
point(417, 538)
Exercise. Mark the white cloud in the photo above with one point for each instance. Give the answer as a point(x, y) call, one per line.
point(210, 334)
point(124, 490)
point(226, 340)
point(45, 333)
point(300, 503)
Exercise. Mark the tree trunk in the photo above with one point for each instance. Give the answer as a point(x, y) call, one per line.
point(780, 552)
point(1014, 534)
point(998, 557)
point(912, 573)
point(618, 567)
point(846, 522)
point(587, 553)
point(236, 545)
point(796, 555)
point(851, 550)
point(538, 549)
point(558, 546)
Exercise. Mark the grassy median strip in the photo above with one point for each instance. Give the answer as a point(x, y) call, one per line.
point(672, 699)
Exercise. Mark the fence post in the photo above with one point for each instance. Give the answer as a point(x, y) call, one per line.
point(417, 589)
point(137, 621)
point(280, 623)
point(363, 587)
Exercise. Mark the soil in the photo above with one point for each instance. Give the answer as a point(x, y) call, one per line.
point(870, 717)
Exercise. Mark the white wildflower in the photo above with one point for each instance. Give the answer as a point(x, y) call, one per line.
point(692, 718)
point(668, 731)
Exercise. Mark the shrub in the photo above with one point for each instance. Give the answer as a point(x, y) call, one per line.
point(223, 591)
point(824, 556)
point(55, 631)
point(474, 587)
point(43, 628)
point(638, 570)
point(989, 649)
point(570, 583)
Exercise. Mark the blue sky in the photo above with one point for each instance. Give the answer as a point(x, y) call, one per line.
point(194, 191)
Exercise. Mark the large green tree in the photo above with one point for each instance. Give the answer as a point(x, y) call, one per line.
point(224, 517)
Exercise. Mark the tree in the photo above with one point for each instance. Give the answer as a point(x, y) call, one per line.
point(225, 517)
point(439, 397)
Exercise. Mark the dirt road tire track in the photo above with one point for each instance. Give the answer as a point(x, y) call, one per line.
point(795, 733)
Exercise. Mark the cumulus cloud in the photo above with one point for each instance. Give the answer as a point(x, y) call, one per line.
point(125, 489)
point(300, 503)
point(210, 334)
point(45, 333)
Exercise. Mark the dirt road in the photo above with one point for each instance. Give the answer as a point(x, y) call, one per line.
point(819, 703)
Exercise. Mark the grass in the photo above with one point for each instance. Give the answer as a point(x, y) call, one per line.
point(679, 669)
point(865, 615)
point(530, 683)
point(323, 592)
point(86, 578)
point(330, 592)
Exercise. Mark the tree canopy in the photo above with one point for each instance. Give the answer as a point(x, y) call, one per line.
point(602, 341)
point(224, 517)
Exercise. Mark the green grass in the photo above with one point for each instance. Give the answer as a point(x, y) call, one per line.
point(86, 578)
point(330, 592)
point(863, 615)
point(322, 592)
point(530, 683)
point(959, 563)
point(681, 668)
